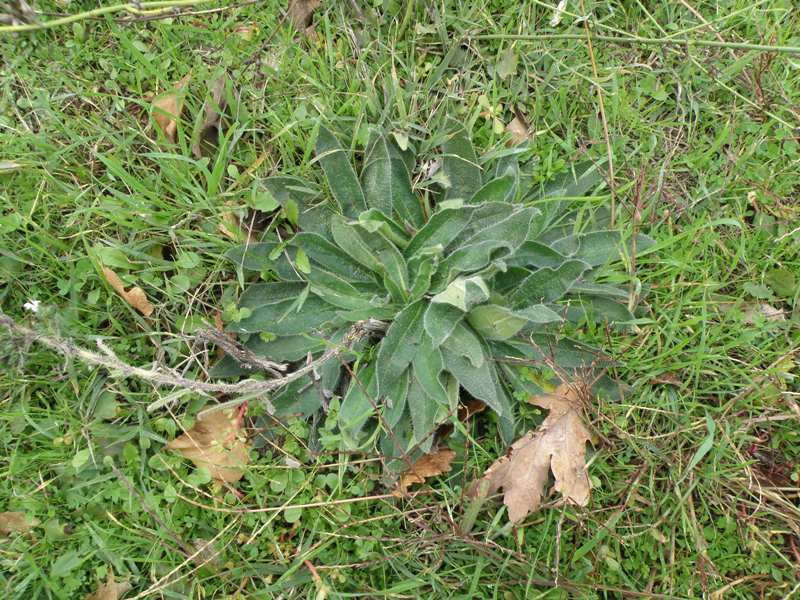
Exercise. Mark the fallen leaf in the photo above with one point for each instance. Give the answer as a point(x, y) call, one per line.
point(135, 296)
point(110, 590)
point(212, 121)
point(508, 63)
point(168, 107)
point(246, 32)
point(300, 12)
point(761, 309)
point(217, 443)
point(430, 465)
point(472, 407)
point(519, 131)
point(15, 522)
point(559, 444)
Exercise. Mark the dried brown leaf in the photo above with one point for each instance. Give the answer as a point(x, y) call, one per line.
point(217, 443)
point(135, 296)
point(210, 129)
point(519, 131)
point(110, 590)
point(246, 32)
point(762, 309)
point(300, 12)
point(559, 444)
point(168, 107)
point(15, 522)
point(430, 465)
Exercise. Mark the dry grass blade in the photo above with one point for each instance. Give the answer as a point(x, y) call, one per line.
point(217, 443)
point(559, 444)
point(134, 296)
point(168, 107)
point(430, 465)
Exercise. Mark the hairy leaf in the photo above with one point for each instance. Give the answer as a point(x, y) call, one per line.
point(399, 345)
point(387, 181)
point(464, 293)
point(440, 321)
point(548, 285)
point(340, 174)
point(460, 167)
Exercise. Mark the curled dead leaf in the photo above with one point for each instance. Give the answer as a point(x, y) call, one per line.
point(167, 109)
point(301, 11)
point(110, 590)
point(559, 444)
point(15, 522)
point(134, 296)
point(430, 465)
point(246, 32)
point(214, 109)
point(519, 131)
point(217, 443)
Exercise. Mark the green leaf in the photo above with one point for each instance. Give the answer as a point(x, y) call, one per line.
point(572, 184)
point(464, 342)
point(399, 345)
point(460, 167)
point(283, 318)
point(305, 396)
point(375, 252)
point(598, 309)
point(440, 321)
point(599, 247)
point(495, 322)
point(340, 174)
point(599, 289)
point(330, 257)
point(547, 285)
point(550, 349)
point(481, 381)
point(501, 189)
point(301, 261)
point(782, 281)
point(507, 65)
point(422, 269)
point(338, 292)
point(423, 411)
point(464, 293)
point(297, 196)
point(496, 222)
point(539, 313)
point(358, 405)
point(394, 401)
point(387, 181)
point(440, 230)
point(534, 254)
point(256, 257)
point(373, 220)
point(274, 292)
point(427, 367)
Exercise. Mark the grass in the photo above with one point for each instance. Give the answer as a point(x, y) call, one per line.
point(695, 469)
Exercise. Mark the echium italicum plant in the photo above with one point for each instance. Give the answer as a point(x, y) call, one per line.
point(469, 275)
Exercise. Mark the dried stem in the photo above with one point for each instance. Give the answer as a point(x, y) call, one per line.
point(162, 377)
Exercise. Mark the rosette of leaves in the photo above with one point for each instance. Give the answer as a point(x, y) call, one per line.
point(470, 281)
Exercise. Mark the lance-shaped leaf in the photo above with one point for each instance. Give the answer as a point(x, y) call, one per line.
point(338, 292)
point(395, 400)
point(358, 405)
point(399, 345)
point(387, 181)
point(495, 322)
point(340, 174)
point(440, 230)
point(500, 189)
point(535, 254)
point(599, 247)
point(375, 252)
point(440, 321)
point(265, 256)
point(460, 167)
point(283, 318)
point(464, 293)
point(331, 257)
point(548, 285)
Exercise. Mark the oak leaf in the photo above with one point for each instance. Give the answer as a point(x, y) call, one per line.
point(167, 109)
point(110, 590)
point(15, 522)
point(559, 444)
point(134, 296)
point(217, 443)
point(430, 465)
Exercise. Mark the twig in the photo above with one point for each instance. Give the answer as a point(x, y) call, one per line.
point(161, 377)
point(637, 40)
point(135, 8)
point(244, 356)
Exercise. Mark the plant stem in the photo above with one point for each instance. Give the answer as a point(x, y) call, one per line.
point(143, 8)
point(647, 41)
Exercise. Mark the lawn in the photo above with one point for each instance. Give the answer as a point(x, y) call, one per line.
point(694, 463)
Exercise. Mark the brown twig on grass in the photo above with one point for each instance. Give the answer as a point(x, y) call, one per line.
point(159, 377)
